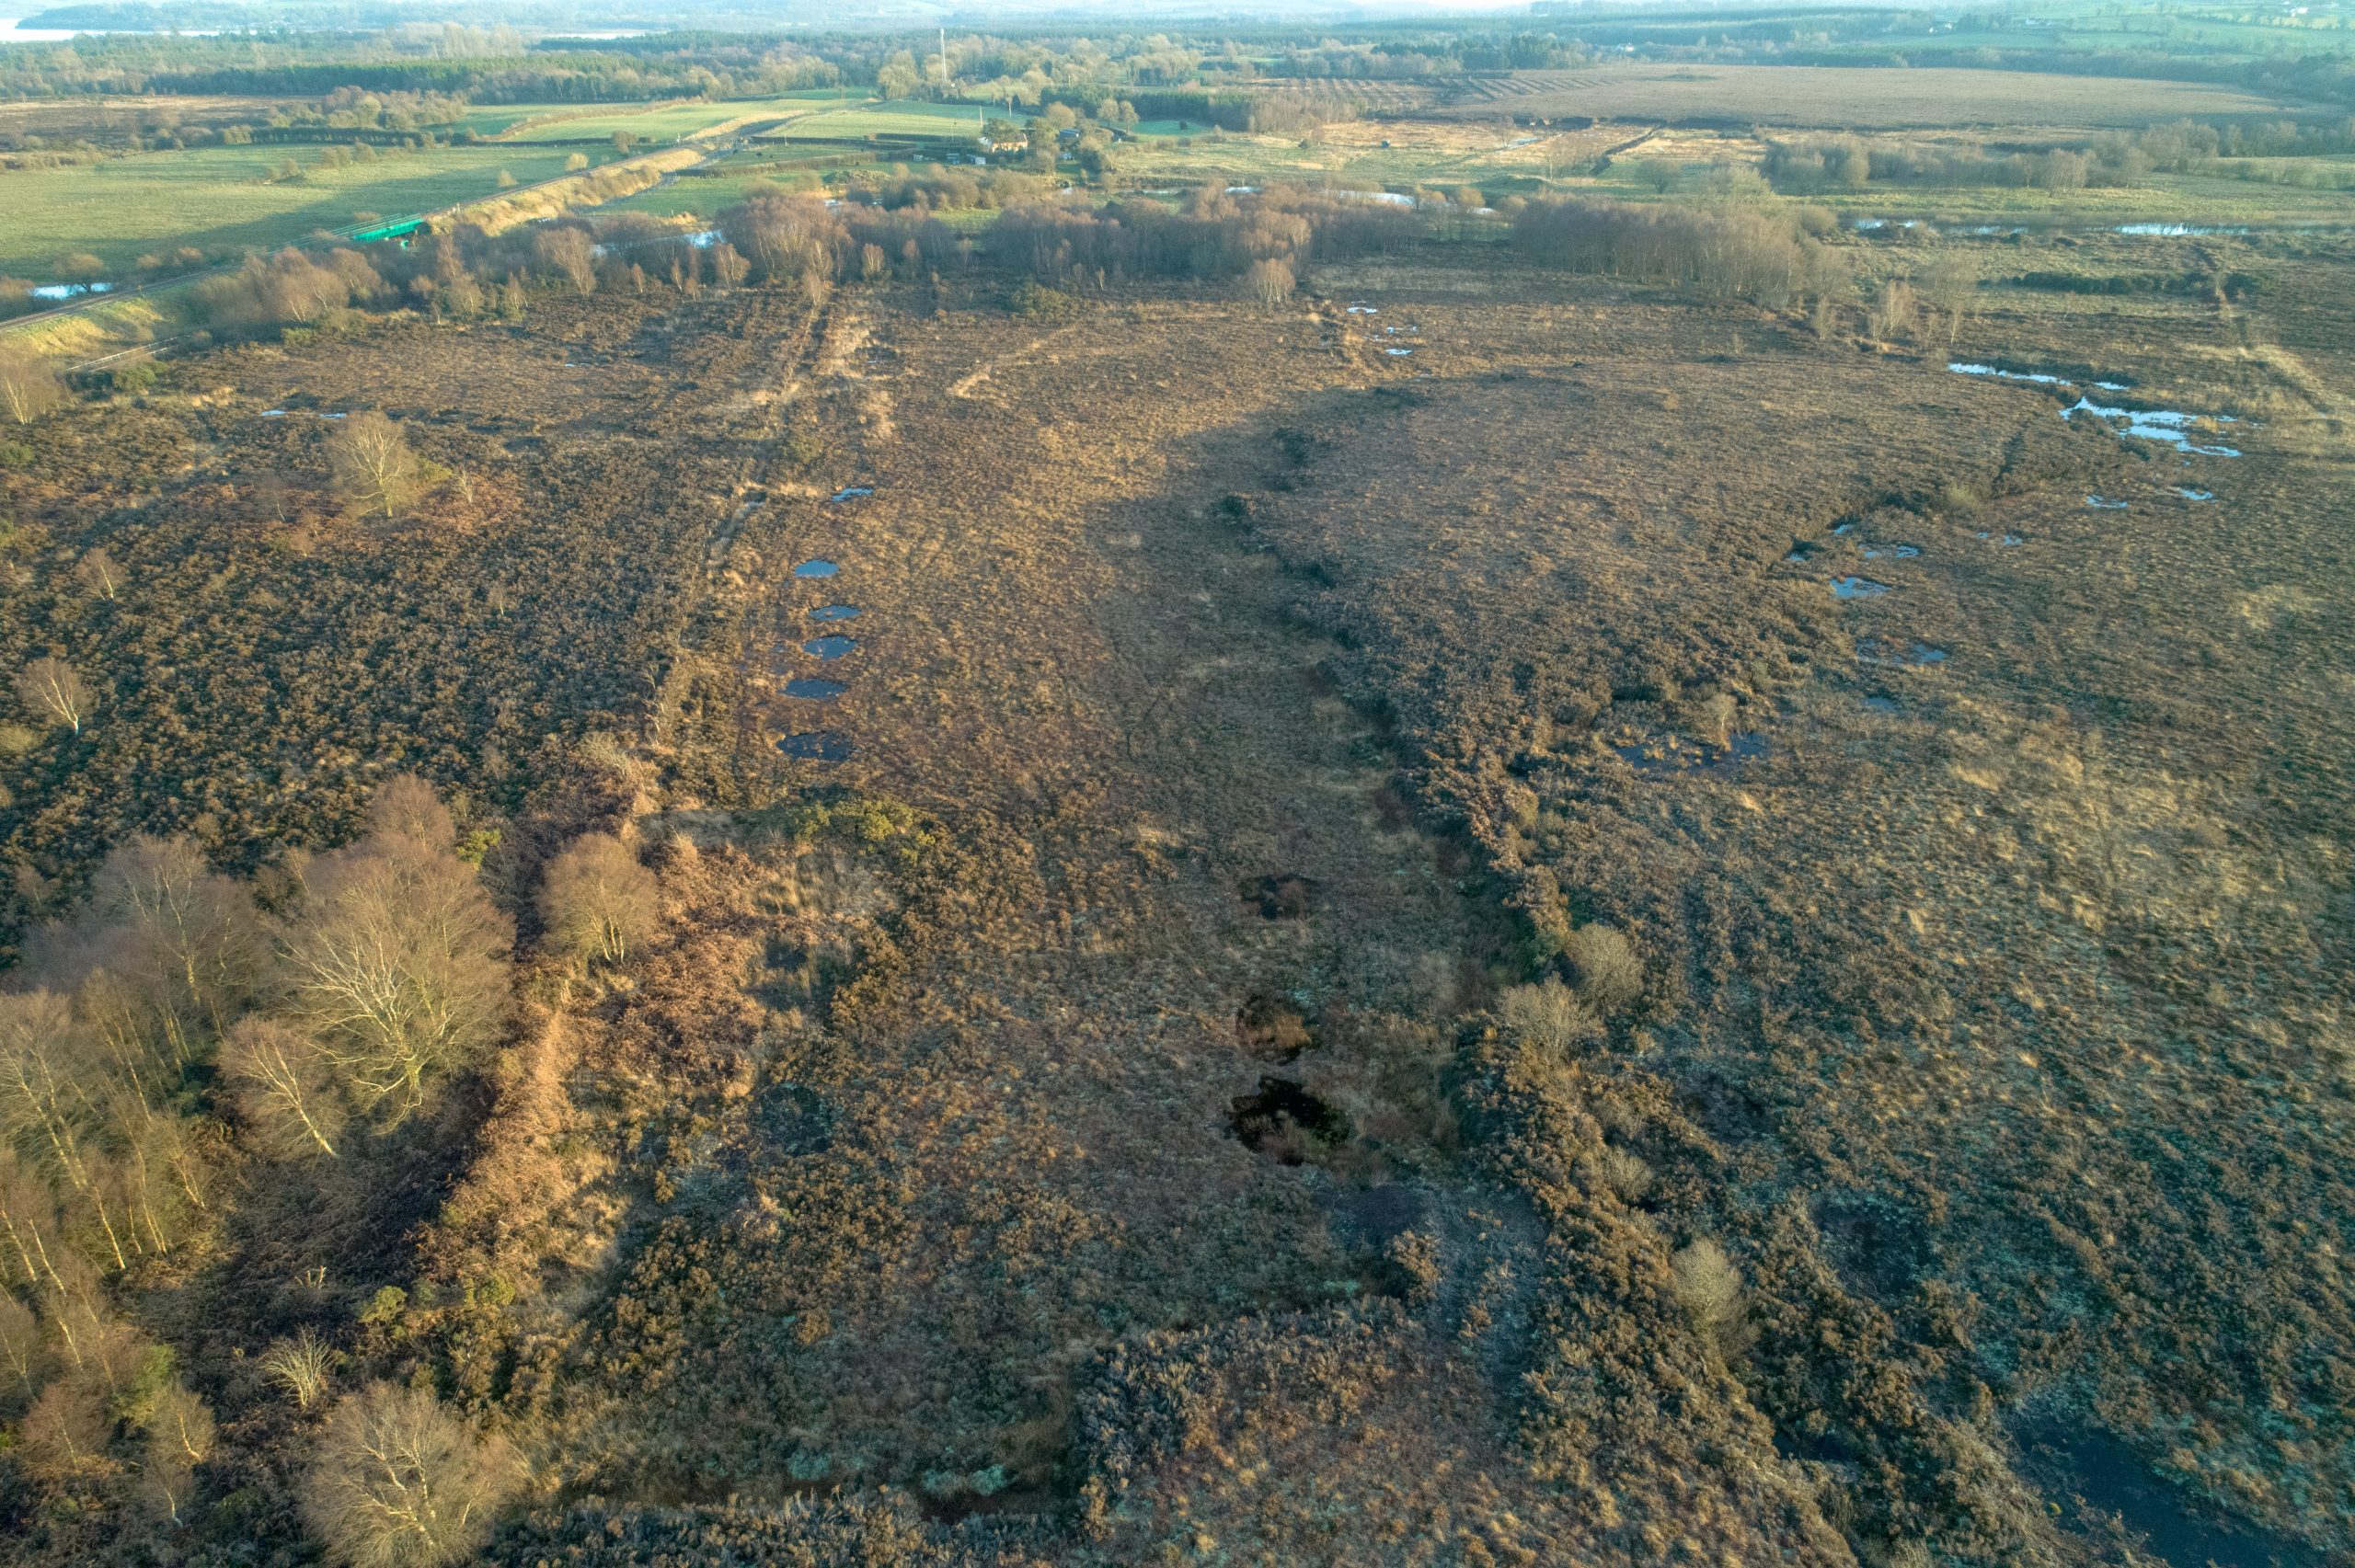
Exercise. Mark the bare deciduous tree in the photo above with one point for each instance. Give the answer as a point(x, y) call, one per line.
point(180, 935)
point(301, 1366)
point(180, 1432)
point(29, 386)
point(53, 688)
point(1269, 281)
point(1950, 284)
point(727, 265)
point(373, 464)
point(1895, 306)
point(1710, 1287)
point(598, 900)
point(1547, 1016)
point(569, 254)
point(399, 1483)
point(395, 967)
point(1660, 174)
point(282, 1085)
point(405, 806)
point(98, 571)
point(1604, 962)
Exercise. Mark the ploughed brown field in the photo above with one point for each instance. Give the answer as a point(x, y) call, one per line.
point(1360, 961)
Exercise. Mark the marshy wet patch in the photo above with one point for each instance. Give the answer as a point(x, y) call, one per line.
point(1274, 1029)
point(1285, 1122)
point(2104, 1488)
point(1285, 896)
point(2171, 427)
point(829, 646)
point(850, 493)
point(2191, 493)
point(1898, 552)
point(818, 746)
point(2039, 378)
point(835, 612)
point(816, 570)
point(812, 689)
point(2103, 503)
point(1858, 587)
point(1916, 655)
point(1674, 754)
point(1878, 1246)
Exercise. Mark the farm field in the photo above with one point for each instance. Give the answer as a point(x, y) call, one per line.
point(105, 116)
point(1374, 155)
point(1860, 97)
point(659, 125)
point(214, 199)
point(896, 118)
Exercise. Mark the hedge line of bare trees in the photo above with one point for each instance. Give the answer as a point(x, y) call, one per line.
point(1825, 163)
point(1736, 250)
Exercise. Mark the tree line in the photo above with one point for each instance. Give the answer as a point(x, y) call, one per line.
point(1755, 251)
point(1810, 164)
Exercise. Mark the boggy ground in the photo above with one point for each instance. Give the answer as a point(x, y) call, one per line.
point(2008, 980)
point(1974, 1000)
point(1093, 1122)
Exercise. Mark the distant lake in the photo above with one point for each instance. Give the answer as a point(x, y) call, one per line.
point(13, 31)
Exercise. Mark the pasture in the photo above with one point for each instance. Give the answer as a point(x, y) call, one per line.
point(222, 201)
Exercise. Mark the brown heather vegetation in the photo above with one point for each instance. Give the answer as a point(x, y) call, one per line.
point(1386, 976)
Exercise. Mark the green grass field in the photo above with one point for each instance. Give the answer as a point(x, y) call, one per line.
point(697, 198)
point(211, 198)
point(899, 117)
point(493, 119)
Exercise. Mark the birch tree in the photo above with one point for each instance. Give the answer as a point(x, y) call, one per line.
point(53, 688)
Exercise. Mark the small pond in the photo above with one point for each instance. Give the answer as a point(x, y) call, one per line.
point(816, 570)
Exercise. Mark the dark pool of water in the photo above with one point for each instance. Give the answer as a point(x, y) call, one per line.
point(829, 648)
point(816, 570)
point(823, 745)
point(817, 690)
point(1275, 1119)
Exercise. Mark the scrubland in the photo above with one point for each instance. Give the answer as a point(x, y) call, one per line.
point(1372, 966)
